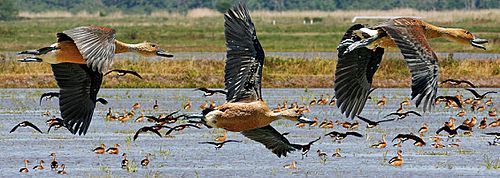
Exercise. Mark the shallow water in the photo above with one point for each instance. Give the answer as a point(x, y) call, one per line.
point(182, 156)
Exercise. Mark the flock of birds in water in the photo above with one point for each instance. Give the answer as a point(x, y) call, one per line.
point(82, 56)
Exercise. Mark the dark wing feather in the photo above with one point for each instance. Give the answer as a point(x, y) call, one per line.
point(213, 143)
point(414, 112)
point(48, 94)
point(474, 92)
point(454, 99)
point(354, 72)
point(245, 56)
point(15, 127)
point(79, 86)
point(419, 57)
point(445, 128)
point(367, 121)
point(354, 134)
point(271, 138)
point(416, 138)
point(230, 141)
point(391, 114)
point(32, 126)
point(469, 83)
point(96, 45)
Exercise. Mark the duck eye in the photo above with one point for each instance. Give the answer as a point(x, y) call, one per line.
point(154, 46)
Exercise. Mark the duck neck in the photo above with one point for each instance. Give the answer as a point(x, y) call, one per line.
point(122, 47)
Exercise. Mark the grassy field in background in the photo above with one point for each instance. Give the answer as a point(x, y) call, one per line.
point(203, 31)
point(277, 73)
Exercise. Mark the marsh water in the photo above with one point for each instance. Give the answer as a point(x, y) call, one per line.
point(182, 156)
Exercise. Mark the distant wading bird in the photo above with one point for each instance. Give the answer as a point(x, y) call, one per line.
point(80, 57)
point(360, 53)
point(245, 111)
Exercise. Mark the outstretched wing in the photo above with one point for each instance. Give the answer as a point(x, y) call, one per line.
point(79, 86)
point(271, 138)
point(354, 72)
point(245, 56)
point(409, 36)
point(96, 45)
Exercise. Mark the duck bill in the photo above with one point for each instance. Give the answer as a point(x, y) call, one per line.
point(477, 43)
point(164, 54)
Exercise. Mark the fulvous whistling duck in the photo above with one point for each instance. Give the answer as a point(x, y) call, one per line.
point(122, 72)
point(53, 165)
point(397, 160)
point(209, 92)
point(381, 144)
point(46, 114)
point(62, 171)
point(219, 145)
point(472, 123)
point(145, 161)
point(293, 165)
point(212, 104)
point(136, 106)
point(155, 106)
point(418, 143)
point(371, 124)
point(495, 123)
point(25, 168)
point(333, 101)
point(453, 131)
point(315, 122)
point(477, 95)
point(146, 129)
point(453, 145)
point(423, 129)
point(484, 123)
point(124, 161)
point(245, 111)
point(306, 148)
point(113, 150)
point(100, 149)
point(40, 166)
point(300, 124)
point(341, 136)
point(204, 105)
point(109, 114)
point(458, 82)
point(361, 50)
point(313, 101)
point(489, 102)
point(141, 117)
point(187, 106)
point(449, 100)
point(468, 101)
point(48, 96)
point(354, 125)
point(480, 108)
point(492, 112)
point(327, 125)
point(400, 109)
point(404, 137)
point(322, 100)
point(403, 115)
point(26, 124)
point(451, 122)
point(381, 102)
point(461, 113)
point(222, 138)
point(438, 144)
point(321, 154)
point(81, 56)
point(337, 153)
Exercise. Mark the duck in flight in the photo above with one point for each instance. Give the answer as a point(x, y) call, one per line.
point(360, 53)
point(219, 145)
point(372, 124)
point(209, 92)
point(146, 129)
point(403, 115)
point(458, 82)
point(121, 72)
point(245, 111)
point(79, 59)
point(305, 148)
point(26, 124)
point(477, 95)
